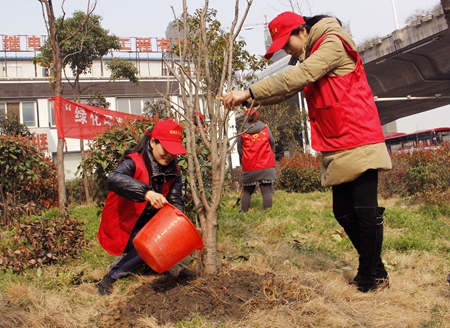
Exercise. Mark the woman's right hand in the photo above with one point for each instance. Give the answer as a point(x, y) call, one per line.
point(155, 199)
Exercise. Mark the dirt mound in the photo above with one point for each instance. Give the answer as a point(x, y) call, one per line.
point(225, 297)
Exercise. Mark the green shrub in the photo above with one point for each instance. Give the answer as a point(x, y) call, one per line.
point(300, 173)
point(391, 182)
point(28, 179)
point(422, 174)
point(75, 190)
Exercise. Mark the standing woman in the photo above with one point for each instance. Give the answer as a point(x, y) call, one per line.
point(147, 178)
point(256, 153)
point(345, 126)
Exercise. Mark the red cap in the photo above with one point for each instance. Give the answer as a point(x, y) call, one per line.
point(253, 114)
point(250, 111)
point(281, 28)
point(170, 135)
point(200, 115)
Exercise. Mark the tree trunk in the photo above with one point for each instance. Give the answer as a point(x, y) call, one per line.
point(61, 178)
point(209, 253)
point(85, 176)
point(57, 73)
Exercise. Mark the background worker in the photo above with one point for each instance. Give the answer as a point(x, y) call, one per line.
point(256, 153)
point(147, 177)
point(345, 126)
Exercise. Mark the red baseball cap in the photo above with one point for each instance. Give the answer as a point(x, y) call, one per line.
point(200, 115)
point(170, 135)
point(281, 28)
point(250, 111)
point(253, 114)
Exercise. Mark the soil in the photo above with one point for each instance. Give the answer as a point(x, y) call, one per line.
point(225, 297)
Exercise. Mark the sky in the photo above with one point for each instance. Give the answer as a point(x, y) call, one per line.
point(149, 18)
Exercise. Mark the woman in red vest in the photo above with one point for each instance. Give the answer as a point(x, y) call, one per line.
point(345, 126)
point(147, 177)
point(256, 152)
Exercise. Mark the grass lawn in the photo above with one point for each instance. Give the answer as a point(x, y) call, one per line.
point(297, 239)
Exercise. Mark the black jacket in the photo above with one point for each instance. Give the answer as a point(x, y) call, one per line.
point(121, 181)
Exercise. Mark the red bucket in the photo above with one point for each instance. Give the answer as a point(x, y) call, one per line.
point(167, 239)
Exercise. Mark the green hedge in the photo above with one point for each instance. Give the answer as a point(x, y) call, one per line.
point(299, 173)
point(422, 174)
point(28, 179)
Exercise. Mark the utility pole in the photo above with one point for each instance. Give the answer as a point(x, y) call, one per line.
point(395, 14)
point(267, 37)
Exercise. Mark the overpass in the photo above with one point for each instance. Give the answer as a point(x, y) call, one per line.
point(409, 69)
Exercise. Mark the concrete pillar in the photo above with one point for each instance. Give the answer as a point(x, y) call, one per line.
point(446, 7)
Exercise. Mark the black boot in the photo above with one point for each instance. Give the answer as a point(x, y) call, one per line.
point(381, 275)
point(105, 287)
point(351, 226)
point(371, 238)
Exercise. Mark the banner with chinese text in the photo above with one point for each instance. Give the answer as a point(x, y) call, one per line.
point(81, 121)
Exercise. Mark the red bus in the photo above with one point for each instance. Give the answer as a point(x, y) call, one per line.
point(422, 138)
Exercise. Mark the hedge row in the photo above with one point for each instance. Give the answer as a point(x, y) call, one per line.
point(421, 175)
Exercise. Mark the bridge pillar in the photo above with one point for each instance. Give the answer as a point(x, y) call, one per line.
point(446, 7)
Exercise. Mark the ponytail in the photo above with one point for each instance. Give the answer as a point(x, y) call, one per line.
point(310, 21)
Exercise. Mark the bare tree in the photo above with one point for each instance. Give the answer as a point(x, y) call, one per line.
point(296, 5)
point(209, 59)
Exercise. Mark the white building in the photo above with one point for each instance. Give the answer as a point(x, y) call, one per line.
point(25, 91)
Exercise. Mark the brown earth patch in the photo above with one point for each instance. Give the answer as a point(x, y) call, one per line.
point(225, 297)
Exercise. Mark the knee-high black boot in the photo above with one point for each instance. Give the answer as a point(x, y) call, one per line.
point(370, 242)
point(351, 226)
point(381, 274)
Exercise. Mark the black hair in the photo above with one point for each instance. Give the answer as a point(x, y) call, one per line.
point(141, 146)
point(309, 23)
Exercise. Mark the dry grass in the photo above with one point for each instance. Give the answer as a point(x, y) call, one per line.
point(419, 297)
point(312, 280)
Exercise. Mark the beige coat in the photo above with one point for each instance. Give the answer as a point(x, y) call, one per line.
point(330, 58)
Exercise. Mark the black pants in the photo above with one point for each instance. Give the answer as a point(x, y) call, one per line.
point(362, 192)
point(131, 259)
point(355, 206)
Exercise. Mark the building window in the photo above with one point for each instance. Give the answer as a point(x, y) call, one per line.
point(130, 105)
point(28, 113)
point(136, 106)
point(51, 114)
point(2, 112)
point(123, 105)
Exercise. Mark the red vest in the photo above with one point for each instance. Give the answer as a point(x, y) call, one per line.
point(119, 215)
point(256, 151)
point(342, 111)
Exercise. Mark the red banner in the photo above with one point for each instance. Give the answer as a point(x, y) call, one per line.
point(80, 121)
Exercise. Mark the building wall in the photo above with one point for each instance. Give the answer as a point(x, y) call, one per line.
point(25, 91)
